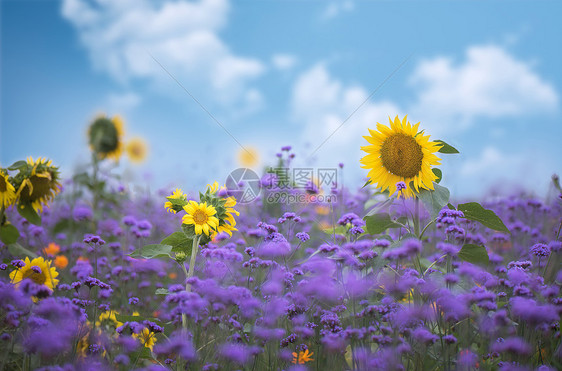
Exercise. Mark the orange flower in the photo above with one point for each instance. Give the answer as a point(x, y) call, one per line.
point(61, 261)
point(83, 259)
point(53, 249)
point(173, 275)
point(302, 357)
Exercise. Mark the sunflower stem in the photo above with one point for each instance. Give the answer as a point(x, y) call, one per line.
point(189, 274)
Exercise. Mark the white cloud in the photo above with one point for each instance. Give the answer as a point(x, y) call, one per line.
point(322, 103)
point(283, 61)
point(335, 8)
point(489, 83)
point(183, 36)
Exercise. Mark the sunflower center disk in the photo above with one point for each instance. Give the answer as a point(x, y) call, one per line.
point(200, 217)
point(3, 185)
point(38, 278)
point(402, 155)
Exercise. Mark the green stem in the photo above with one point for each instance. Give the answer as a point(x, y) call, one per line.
point(189, 274)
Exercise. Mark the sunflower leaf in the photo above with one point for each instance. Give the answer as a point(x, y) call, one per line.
point(152, 251)
point(179, 242)
point(378, 223)
point(435, 199)
point(29, 213)
point(18, 250)
point(475, 211)
point(366, 184)
point(475, 254)
point(438, 173)
point(17, 165)
point(9, 234)
point(446, 148)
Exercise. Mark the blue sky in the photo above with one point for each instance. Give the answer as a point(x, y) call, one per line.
point(482, 75)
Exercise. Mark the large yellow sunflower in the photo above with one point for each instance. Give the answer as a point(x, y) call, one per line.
point(400, 153)
point(201, 216)
point(106, 137)
point(39, 270)
point(39, 186)
point(7, 191)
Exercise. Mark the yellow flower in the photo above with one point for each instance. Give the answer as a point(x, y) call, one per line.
point(201, 216)
point(39, 270)
point(302, 357)
point(137, 150)
point(178, 195)
point(106, 137)
point(399, 153)
point(248, 157)
point(7, 191)
point(41, 185)
point(228, 227)
point(109, 318)
point(146, 337)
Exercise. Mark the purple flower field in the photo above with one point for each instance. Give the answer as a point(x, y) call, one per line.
point(108, 279)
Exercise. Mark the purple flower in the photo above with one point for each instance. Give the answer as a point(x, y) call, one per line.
point(18, 263)
point(133, 300)
point(400, 186)
point(303, 236)
point(81, 213)
point(513, 345)
point(540, 250)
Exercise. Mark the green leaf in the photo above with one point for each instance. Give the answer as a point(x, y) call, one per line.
point(340, 229)
point(29, 213)
point(450, 206)
point(17, 165)
point(380, 206)
point(9, 234)
point(438, 173)
point(152, 251)
point(162, 291)
point(18, 250)
point(434, 200)
point(475, 211)
point(446, 148)
point(179, 242)
point(62, 225)
point(378, 223)
point(475, 254)
point(366, 184)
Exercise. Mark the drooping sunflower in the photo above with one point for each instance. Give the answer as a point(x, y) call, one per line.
point(400, 153)
point(178, 198)
point(106, 137)
point(201, 216)
point(137, 150)
point(7, 190)
point(39, 270)
point(228, 222)
point(38, 183)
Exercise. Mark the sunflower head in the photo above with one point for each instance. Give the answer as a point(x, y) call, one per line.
point(176, 201)
point(137, 150)
point(38, 270)
point(214, 214)
point(106, 137)
point(37, 183)
point(146, 337)
point(7, 190)
point(248, 157)
point(399, 153)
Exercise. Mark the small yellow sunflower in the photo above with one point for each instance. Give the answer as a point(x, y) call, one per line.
point(7, 191)
point(399, 153)
point(39, 270)
point(302, 357)
point(106, 137)
point(248, 157)
point(39, 184)
point(213, 188)
point(178, 195)
point(146, 337)
point(137, 150)
point(201, 216)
